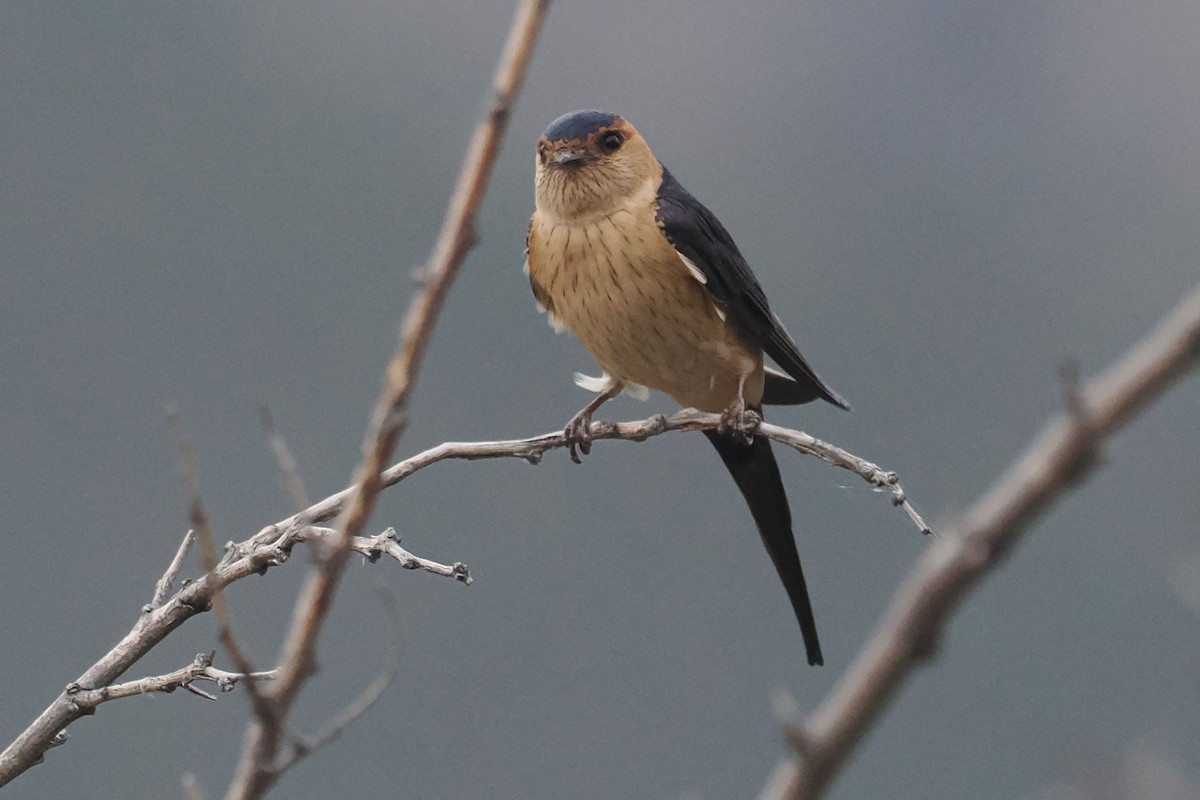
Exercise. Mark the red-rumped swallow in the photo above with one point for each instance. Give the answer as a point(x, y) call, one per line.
point(653, 286)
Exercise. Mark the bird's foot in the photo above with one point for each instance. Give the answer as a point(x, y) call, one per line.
point(579, 434)
point(739, 422)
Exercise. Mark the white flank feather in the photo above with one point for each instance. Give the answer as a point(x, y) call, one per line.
point(591, 384)
point(605, 382)
point(697, 273)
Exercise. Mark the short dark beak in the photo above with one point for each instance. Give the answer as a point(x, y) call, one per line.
point(568, 157)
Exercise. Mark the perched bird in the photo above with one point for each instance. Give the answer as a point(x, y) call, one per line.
point(653, 286)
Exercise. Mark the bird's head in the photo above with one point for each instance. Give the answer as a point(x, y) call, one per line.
point(591, 163)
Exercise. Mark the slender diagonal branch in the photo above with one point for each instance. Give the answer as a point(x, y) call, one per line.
point(1059, 459)
point(256, 773)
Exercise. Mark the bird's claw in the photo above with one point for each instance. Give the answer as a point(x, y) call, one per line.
point(579, 436)
point(739, 422)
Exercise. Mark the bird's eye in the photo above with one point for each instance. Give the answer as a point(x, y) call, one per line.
point(612, 141)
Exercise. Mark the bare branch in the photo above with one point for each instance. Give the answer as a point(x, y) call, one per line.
point(533, 448)
point(255, 773)
point(250, 557)
point(273, 545)
point(1058, 459)
point(456, 238)
point(201, 669)
point(387, 543)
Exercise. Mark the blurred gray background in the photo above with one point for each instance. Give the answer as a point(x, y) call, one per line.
point(215, 205)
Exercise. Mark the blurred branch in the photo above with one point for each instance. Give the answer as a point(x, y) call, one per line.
point(208, 560)
point(1060, 458)
point(257, 771)
point(302, 748)
point(191, 787)
point(283, 457)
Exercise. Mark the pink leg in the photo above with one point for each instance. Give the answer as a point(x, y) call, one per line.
point(734, 420)
point(579, 429)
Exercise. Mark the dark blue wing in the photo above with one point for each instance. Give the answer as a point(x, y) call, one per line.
point(699, 236)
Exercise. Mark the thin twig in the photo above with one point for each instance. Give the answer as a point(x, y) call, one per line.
point(162, 589)
point(1058, 460)
point(534, 448)
point(387, 543)
point(255, 773)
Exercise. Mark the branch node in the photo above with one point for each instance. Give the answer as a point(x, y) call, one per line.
point(501, 108)
point(799, 740)
point(604, 427)
point(300, 748)
point(1083, 426)
point(924, 644)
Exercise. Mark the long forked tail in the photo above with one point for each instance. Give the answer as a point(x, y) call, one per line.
point(756, 473)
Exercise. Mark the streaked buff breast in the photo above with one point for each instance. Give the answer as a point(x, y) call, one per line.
point(617, 283)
